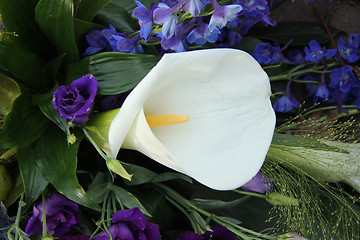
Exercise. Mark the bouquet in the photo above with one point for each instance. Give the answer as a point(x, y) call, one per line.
point(176, 119)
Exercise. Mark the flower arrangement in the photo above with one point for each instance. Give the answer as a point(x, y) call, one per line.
point(175, 119)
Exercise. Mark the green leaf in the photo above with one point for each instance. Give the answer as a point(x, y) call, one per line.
point(117, 16)
point(33, 181)
point(9, 91)
point(167, 176)
point(88, 9)
point(23, 125)
point(15, 192)
point(81, 28)
point(116, 72)
point(18, 17)
point(300, 32)
point(115, 166)
point(58, 162)
point(305, 142)
point(55, 19)
point(217, 204)
point(129, 5)
point(128, 199)
point(43, 101)
point(22, 64)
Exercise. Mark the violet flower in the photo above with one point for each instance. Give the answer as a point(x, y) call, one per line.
point(348, 51)
point(316, 53)
point(75, 102)
point(217, 233)
point(61, 215)
point(145, 18)
point(342, 79)
point(130, 224)
point(260, 184)
point(76, 237)
point(195, 7)
point(223, 14)
point(267, 54)
point(202, 34)
point(97, 41)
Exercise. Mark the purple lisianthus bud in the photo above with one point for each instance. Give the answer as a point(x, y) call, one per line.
point(130, 224)
point(75, 102)
point(218, 233)
point(61, 215)
point(76, 237)
point(260, 184)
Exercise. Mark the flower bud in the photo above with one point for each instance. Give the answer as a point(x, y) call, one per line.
point(277, 199)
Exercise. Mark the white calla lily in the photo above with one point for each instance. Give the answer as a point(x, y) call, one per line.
point(225, 95)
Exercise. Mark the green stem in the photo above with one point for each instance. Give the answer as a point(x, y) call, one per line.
point(250, 194)
point(44, 232)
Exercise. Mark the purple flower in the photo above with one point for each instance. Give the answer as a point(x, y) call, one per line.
point(285, 104)
point(342, 79)
point(131, 224)
point(75, 102)
point(266, 54)
point(257, 10)
point(296, 55)
point(195, 6)
point(123, 44)
point(177, 42)
point(260, 184)
point(354, 40)
point(97, 41)
point(61, 215)
point(76, 237)
point(217, 233)
point(167, 16)
point(145, 18)
point(223, 14)
point(316, 53)
point(348, 51)
point(202, 34)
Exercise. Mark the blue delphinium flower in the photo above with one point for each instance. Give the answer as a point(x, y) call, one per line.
point(97, 41)
point(123, 44)
point(257, 10)
point(202, 34)
point(354, 39)
point(342, 79)
point(166, 15)
point(195, 7)
point(266, 54)
point(296, 55)
point(177, 42)
point(145, 18)
point(223, 14)
point(348, 51)
point(317, 53)
point(285, 104)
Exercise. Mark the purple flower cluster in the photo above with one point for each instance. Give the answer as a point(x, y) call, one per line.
point(350, 50)
point(130, 224)
point(260, 184)
point(61, 216)
point(75, 102)
point(217, 233)
point(226, 24)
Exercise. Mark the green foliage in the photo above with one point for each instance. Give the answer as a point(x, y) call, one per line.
point(300, 32)
point(88, 9)
point(57, 162)
point(23, 125)
point(116, 72)
point(33, 181)
point(55, 19)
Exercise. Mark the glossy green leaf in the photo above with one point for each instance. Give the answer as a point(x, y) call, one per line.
point(300, 32)
point(128, 199)
point(23, 125)
point(116, 72)
point(9, 91)
point(55, 19)
point(129, 5)
point(19, 19)
point(117, 16)
point(88, 9)
point(33, 181)
point(58, 162)
point(305, 142)
point(15, 192)
point(217, 204)
point(44, 103)
point(26, 67)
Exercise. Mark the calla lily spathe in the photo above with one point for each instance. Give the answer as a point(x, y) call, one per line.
point(225, 94)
